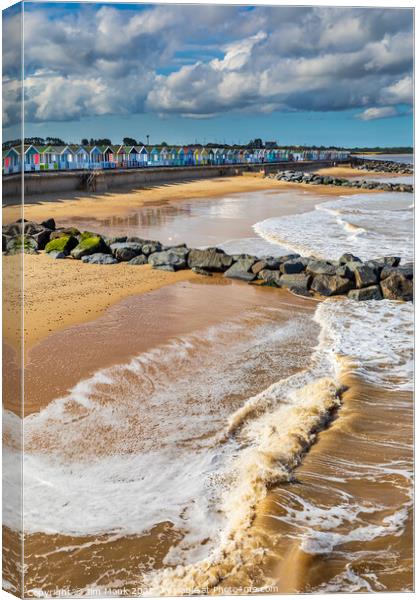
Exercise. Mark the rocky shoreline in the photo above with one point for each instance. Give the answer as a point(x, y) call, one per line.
point(316, 179)
point(377, 279)
point(383, 166)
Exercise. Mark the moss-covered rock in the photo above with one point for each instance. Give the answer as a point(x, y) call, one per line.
point(64, 244)
point(22, 243)
point(73, 231)
point(89, 245)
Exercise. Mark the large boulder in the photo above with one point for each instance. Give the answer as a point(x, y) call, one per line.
point(30, 227)
point(321, 267)
point(141, 259)
point(397, 287)
point(405, 270)
point(22, 243)
point(125, 251)
point(66, 231)
point(331, 285)
point(151, 247)
point(89, 244)
point(296, 281)
point(49, 224)
point(63, 244)
point(110, 240)
point(270, 276)
point(258, 266)
point(99, 258)
point(211, 259)
point(42, 238)
point(272, 262)
point(365, 275)
point(388, 261)
point(181, 250)
point(12, 229)
point(347, 257)
point(292, 266)
point(372, 292)
point(5, 240)
point(241, 269)
point(166, 258)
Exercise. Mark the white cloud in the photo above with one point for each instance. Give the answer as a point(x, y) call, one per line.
point(219, 58)
point(400, 92)
point(382, 112)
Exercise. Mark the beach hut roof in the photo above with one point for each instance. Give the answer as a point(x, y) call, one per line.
point(56, 149)
point(28, 147)
point(81, 149)
point(13, 149)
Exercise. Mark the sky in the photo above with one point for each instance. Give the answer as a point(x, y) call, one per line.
point(211, 73)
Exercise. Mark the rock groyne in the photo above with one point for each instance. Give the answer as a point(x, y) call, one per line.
point(316, 179)
point(382, 166)
point(377, 279)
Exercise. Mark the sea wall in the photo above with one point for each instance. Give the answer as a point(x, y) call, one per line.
point(70, 181)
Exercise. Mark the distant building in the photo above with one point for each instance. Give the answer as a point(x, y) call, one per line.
point(270, 145)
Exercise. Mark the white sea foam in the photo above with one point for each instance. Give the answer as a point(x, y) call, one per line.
point(366, 224)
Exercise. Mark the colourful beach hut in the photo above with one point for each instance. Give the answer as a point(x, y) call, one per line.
point(181, 157)
point(204, 156)
point(164, 156)
point(188, 156)
point(172, 156)
point(108, 157)
point(143, 156)
point(197, 156)
point(154, 157)
point(32, 158)
point(217, 156)
point(95, 157)
point(11, 161)
point(81, 156)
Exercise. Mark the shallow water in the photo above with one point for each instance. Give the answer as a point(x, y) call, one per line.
point(218, 437)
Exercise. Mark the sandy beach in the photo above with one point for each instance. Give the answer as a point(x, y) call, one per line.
point(63, 293)
point(116, 356)
point(350, 173)
point(111, 204)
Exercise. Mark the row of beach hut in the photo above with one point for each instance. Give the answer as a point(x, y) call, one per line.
point(53, 158)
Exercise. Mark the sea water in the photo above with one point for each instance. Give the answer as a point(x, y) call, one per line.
point(198, 432)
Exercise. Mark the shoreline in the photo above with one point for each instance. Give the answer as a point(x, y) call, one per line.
point(67, 206)
point(60, 295)
point(63, 293)
point(58, 283)
point(351, 173)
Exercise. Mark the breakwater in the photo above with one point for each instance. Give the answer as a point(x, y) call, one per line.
point(316, 179)
point(33, 184)
point(381, 166)
point(382, 277)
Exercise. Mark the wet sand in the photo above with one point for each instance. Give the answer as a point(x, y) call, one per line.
point(60, 293)
point(59, 361)
point(350, 173)
point(136, 326)
point(355, 462)
point(111, 204)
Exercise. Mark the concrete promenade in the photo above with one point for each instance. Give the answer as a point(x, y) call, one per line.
point(110, 180)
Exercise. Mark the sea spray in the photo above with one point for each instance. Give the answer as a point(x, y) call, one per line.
point(277, 426)
point(366, 225)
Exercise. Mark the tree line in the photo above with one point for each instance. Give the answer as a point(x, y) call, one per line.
point(255, 143)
